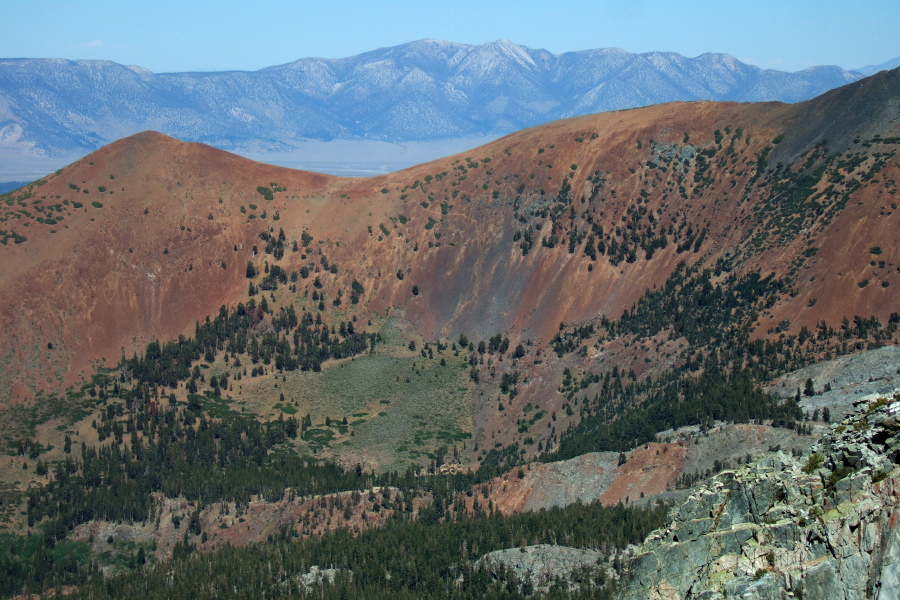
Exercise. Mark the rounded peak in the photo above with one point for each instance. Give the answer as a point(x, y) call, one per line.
point(434, 42)
point(144, 140)
point(151, 135)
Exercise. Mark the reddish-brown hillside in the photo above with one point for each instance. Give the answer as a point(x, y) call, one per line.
point(149, 235)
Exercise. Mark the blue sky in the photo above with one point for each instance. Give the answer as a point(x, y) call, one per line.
point(184, 35)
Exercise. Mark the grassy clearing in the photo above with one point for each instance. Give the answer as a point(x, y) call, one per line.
point(419, 406)
point(318, 438)
point(399, 407)
point(218, 408)
point(285, 408)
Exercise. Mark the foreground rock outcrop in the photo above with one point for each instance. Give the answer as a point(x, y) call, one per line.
point(820, 526)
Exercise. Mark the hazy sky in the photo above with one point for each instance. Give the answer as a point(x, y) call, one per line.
point(184, 35)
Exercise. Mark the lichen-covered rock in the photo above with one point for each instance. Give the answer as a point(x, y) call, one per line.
point(822, 526)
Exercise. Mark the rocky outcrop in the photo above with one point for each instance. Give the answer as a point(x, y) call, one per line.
point(537, 567)
point(315, 577)
point(821, 526)
point(840, 383)
point(650, 471)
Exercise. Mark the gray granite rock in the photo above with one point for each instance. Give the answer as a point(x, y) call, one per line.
point(543, 563)
point(820, 526)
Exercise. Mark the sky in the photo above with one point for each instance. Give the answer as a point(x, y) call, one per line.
point(212, 35)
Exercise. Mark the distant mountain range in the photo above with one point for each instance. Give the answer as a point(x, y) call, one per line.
point(424, 90)
point(885, 66)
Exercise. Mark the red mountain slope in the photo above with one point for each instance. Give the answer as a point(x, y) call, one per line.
point(149, 235)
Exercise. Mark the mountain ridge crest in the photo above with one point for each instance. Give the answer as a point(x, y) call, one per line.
point(60, 106)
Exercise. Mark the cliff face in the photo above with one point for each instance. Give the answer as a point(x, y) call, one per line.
point(821, 526)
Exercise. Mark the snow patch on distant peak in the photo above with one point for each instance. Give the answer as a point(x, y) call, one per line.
point(433, 42)
point(515, 51)
point(139, 70)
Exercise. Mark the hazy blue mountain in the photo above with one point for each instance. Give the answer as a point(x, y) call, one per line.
point(424, 90)
point(8, 186)
point(885, 66)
